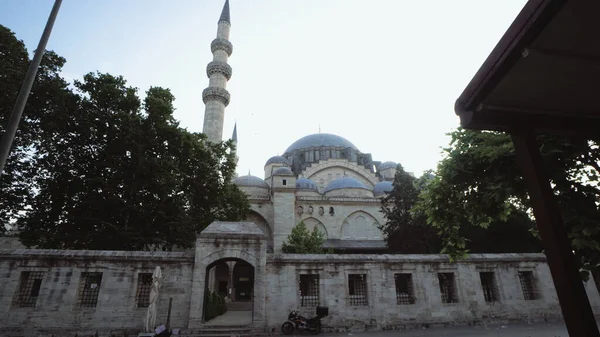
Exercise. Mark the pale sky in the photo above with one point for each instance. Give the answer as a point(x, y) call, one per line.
point(383, 74)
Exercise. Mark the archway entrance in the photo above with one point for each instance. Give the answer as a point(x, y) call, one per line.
point(232, 279)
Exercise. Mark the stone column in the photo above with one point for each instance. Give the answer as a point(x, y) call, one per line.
point(211, 279)
point(231, 287)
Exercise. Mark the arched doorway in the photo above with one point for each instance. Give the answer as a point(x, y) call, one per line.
point(233, 279)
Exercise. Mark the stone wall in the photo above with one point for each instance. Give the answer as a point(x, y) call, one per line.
point(57, 306)
point(381, 309)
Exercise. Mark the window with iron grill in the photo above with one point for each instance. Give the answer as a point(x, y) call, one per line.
point(488, 284)
point(309, 290)
point(357, 289)
point(527, 285)
point(142, 295)
point(29, 289)
point(448, 288)
point(404, 289)
point(89, 288)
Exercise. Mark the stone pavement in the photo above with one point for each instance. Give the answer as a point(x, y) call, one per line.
point(507, 330)
point(230, 318)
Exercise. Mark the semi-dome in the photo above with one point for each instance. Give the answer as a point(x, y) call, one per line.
point(345, 182)
point(283, 171)
point(382, 188)
point(277, 160)
point(306, 184)
point(318, 140)
point(250, 181)
point(387, 165)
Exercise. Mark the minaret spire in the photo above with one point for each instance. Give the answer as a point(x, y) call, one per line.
point(216, 97)
point(234, 136)
point(234, 139)
point(225, 13)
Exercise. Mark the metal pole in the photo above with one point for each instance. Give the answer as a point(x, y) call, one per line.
point(15, 117)
point(169, 312)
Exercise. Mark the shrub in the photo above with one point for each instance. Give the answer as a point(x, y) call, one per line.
point(214, 304)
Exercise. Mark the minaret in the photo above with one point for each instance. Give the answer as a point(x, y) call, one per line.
point(216, 97)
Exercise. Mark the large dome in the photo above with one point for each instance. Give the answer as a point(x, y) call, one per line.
point(345, 182)
point(387, 165)
point(283, 171)
point(318, 140)
point(306, 184)
point(277, 160)
point(382, 188)
point(250, 181)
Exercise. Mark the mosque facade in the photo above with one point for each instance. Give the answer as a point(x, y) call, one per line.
point(324, 181)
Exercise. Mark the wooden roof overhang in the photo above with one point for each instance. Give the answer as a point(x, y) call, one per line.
point(543, 77)
point(544, 74)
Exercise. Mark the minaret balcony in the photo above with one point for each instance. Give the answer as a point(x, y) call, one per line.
point(216, 94)
point(221, 44)
point(216, 67)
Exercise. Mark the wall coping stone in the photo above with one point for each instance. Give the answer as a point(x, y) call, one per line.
point(105, 255)
point(402, 258)
point(232, 229)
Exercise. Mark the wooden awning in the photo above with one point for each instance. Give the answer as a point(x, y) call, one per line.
point(544, 74)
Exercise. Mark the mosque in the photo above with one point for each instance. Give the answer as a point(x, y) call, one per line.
point(321, 179)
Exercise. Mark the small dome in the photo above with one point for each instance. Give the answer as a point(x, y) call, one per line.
point(382, 188)
point(306, 184)
point(250, 181)
point(318, 140)
point(277, 160)
point(283, 171)
point(345, 182)
point(387, 165)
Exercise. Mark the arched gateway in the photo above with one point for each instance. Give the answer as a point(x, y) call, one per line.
point(231, 259)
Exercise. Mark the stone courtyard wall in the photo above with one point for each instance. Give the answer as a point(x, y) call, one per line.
point(56, 308)
point(382, 310)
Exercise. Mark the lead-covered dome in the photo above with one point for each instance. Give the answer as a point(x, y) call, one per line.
point(250, 181)
point(345, 182)
point(277, 160)
point(382, 188)
point(319, 140)
point(306, 184)
point(387, 165)
point(283, 171)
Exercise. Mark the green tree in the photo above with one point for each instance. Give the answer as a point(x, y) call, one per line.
point(479, 184)
point(119, 173)
point(406, 231)
point(302, 241)
point(49, 95)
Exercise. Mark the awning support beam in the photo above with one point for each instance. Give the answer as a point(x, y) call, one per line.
point(577, 312)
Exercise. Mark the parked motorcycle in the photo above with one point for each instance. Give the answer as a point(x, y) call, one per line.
point(298, 322)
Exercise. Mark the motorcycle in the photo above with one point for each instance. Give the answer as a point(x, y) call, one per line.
point(298, 322)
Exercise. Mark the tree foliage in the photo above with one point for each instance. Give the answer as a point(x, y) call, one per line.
point(303, 241)
point(102, 169)
point(48, 95)
point(407, 232)
point(479, 184)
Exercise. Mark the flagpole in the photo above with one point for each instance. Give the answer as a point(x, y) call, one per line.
point(17, 112)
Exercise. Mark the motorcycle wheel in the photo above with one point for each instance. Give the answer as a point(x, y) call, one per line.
point(287, 328)
point(316, 329)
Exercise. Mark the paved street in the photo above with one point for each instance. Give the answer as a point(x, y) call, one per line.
point(508, 330)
